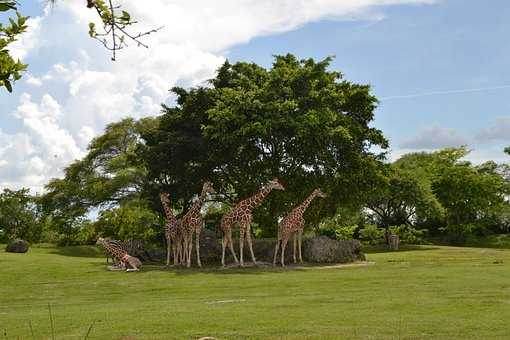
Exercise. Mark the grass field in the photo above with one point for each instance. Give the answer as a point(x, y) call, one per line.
point(427, 292)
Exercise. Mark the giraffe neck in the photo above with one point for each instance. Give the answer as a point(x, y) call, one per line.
point(168, 211)
point(257, 199)
point(303, 206)
point(195, 208)
point(116, 251)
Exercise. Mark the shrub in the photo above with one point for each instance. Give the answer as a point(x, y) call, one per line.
point(458, 234)
point(407, 234)
point(372, 234)
point(342, 226)
point(133, 220)
point(345, 233)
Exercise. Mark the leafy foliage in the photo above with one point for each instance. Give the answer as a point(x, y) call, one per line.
point(132, 220)
point(19, 216)
point(115, 27)
point(10, 69)
point(108, 176)
point(372, 234)
point(407, 234)
point(297, 121)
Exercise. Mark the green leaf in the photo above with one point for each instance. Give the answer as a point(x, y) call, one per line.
point(8, 85)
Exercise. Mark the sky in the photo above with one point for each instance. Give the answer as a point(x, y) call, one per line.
point(440, 69)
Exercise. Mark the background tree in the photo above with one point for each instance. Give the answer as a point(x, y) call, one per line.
point(107, 177)
point(19, 216)
point(132, 220)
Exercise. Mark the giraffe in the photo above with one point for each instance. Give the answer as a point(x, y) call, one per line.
point(173, 231)
point(121, 255)
point(193, 223)
point(293, 223)
point(241, 217)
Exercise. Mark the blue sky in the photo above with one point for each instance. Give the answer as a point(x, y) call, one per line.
point(411, 47)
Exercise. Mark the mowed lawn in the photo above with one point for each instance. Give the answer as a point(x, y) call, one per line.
point(423, 293)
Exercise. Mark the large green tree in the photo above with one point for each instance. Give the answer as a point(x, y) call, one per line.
point(297, 120)
point(19, 216)
point(110, 175)
point(404, 197)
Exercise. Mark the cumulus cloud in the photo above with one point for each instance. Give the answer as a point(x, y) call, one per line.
point(499, 130)
point(39, 153)
point(79, 90)
point(434, 137)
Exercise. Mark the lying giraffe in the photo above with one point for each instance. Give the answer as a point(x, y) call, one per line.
point(173, 232)
point(124, 258)
point(293, 223)
point(193, 223)
point(241, 216)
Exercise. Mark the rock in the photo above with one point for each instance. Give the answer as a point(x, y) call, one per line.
point(17, 246)
point(319, 249)
point(322, 249)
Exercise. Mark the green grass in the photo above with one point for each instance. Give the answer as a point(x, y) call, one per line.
point(425, 292)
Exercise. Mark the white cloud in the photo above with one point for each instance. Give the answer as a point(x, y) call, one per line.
point(39, 153)
point(434, 137)
point(83, 91)
point(34, 81)
point(499, 130)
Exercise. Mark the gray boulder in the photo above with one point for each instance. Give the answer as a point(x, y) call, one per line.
point(322, 249)
point(17, 246)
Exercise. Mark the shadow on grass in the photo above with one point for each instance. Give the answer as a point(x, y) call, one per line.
point(78, 251)
point(384, 248)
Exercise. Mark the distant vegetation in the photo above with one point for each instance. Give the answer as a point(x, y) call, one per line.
point(297, 121)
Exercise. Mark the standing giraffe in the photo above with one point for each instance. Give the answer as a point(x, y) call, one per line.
point(173, 232)
point(241, 217)
point(193, 223)
point(293, 223)
point(121, 255)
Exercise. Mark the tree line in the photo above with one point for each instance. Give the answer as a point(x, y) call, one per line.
point(296, 120)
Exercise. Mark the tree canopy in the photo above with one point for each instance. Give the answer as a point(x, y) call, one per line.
point(297, 121)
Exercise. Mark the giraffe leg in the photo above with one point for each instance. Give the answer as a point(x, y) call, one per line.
point(168, 246)
point(224, 242)
point(231, 244)
point(278, 240)
point(284, 245)
point(174, 252)
point(184, 250)
point(250, 245)
point(178, 251)
point(300, 234)
point(197, 245)
point(294, 241)
point(190, 248)
point(241, 246)
point(181, 251)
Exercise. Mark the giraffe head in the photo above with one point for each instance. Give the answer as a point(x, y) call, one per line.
point(164, 196)
point(318, 192)
point(275, 184)
point(100, 241)
point(208, 188)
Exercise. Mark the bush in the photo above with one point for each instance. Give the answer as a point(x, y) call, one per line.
point(345, 233)
point(133, 220)
point(407, 234)
point(342, 226)
point(458, 234)
point(372, 234)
